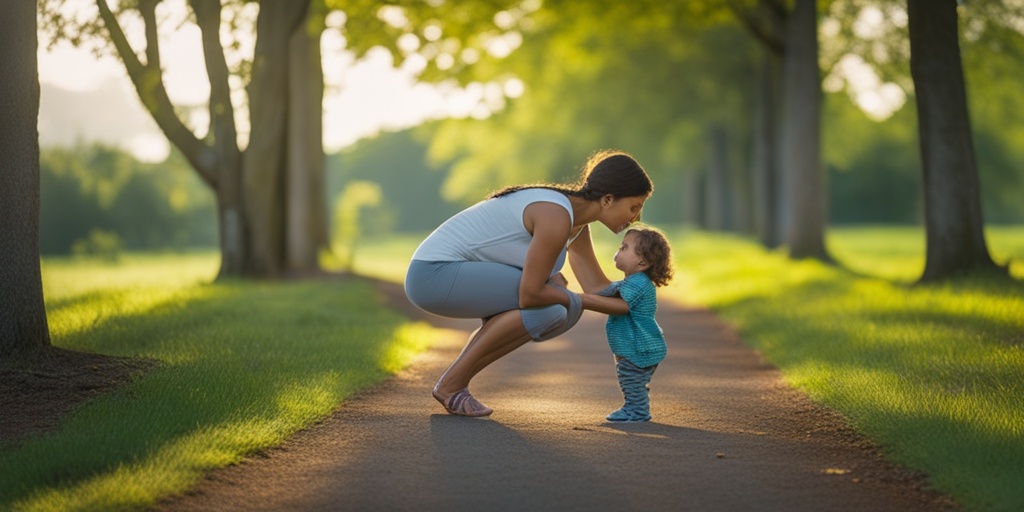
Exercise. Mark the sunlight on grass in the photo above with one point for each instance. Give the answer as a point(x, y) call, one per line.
point(935, 374)
point(384, 258)
point(68, 277)
point(244, 365)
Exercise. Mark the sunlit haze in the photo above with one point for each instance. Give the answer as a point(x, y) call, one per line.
point(361, 97)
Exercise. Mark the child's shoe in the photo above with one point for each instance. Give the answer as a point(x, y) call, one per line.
point(624, 416)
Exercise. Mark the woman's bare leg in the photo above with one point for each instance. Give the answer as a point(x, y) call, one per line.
point(498, 336)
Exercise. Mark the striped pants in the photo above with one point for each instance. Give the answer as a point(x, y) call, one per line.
point(633, 380)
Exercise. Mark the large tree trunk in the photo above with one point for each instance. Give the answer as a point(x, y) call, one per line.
point(803, 201)
point(263, 178)
point(764, 155)
point(952, 198)
point(305, 204)
point(23, 327)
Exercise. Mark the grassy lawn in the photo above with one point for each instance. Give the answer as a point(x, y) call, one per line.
point(935, 374)
point(242, 367)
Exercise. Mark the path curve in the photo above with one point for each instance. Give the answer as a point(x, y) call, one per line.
point(727, 435)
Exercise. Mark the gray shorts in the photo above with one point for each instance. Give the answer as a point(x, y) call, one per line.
point(482, 289)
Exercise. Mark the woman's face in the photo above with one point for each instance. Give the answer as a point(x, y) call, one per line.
point(618, 213)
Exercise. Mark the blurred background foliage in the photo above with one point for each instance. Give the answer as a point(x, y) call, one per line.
point(98, 199)
point(646, 77)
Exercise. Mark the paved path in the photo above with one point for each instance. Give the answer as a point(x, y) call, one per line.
point(726, 435)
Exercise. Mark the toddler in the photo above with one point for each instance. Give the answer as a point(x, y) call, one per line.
point(636, 339)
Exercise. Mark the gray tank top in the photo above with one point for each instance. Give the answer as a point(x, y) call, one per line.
point(491, 230)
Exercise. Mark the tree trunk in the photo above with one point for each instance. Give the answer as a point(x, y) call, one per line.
point(764, 154)
point(742, 195)
point(693, 184)
point(952, 199)
point(719, 200)
point(803, 202)
point(306, 207)
point(23, 327)
point(217, 160)
point(264, 160)
point(250, 186)
point(223, 144)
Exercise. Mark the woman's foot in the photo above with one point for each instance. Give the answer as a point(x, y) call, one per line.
point(462, 403)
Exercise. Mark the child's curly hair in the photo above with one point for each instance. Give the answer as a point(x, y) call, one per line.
point(654, 248)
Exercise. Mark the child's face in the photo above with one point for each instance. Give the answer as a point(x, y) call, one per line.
point(627, 259)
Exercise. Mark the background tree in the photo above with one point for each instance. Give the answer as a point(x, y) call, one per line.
point(765, 20)
point(952, 199)
point(647, 77)
point(248, 184)
point(271, 207)
point(23, 327)
point(796, 189)
point(803, 201)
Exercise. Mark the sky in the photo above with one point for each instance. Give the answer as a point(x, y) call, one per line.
point(87, 99)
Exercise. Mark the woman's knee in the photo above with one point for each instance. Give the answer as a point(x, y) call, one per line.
point(539, 321)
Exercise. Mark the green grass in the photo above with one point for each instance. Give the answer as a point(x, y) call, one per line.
point(934, 374)
point(243, 367)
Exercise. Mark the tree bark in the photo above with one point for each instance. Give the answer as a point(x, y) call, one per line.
point(23, 326)
point(952, 198)
point(803, 202)
point(305, 205)
point(263, 176)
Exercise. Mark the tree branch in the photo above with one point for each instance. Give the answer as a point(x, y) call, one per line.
point(148, 81)
point(766, 26)
point(222, 127)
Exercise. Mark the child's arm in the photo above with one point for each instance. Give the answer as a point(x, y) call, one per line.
point(606, 305)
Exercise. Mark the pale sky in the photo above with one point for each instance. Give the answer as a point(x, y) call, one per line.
point(362, 97)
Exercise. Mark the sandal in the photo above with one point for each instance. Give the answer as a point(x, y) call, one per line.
point(462, 403)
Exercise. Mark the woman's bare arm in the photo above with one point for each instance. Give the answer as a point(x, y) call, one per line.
point(584, 264)
point(549, 224)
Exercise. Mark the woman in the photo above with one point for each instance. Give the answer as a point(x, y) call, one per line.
point(500, 260)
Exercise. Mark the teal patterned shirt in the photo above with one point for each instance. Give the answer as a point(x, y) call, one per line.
point(636, 335)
